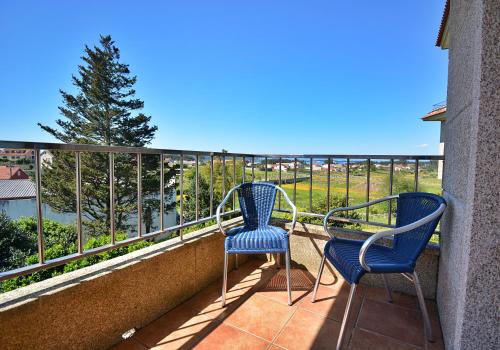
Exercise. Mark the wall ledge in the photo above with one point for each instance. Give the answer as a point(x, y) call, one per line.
point(32, 292)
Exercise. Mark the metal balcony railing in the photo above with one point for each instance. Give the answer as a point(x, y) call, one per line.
point(297, 163)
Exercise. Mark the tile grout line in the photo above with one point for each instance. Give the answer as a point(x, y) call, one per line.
point(399, 341)
point(246, 332)
point(284, 326)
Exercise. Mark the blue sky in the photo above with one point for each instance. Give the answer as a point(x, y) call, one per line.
point(247, 76)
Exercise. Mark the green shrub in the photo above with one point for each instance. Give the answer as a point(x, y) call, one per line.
point(60, 240)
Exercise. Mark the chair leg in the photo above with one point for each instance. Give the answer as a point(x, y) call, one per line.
point(387, 288)
point(346, 316)
point(423, 308)
point(288, 278)
point(318, 278)
point(278, 260)
point(224, 280)
point(236, 261)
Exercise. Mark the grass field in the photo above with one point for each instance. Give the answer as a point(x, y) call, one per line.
point(311, 196)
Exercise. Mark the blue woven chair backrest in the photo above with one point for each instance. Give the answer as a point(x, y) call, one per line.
point(256, 203)
point(414, 206)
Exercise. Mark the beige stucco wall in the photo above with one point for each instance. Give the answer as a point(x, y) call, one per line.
point(468, 294)
point(91, 308)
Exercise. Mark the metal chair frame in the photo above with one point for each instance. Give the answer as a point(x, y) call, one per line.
point(287, 253)
point(413, 277)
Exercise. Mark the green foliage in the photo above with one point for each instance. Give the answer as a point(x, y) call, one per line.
point(189, 209)
point(15, 244)
point(319, 207)
point(54, 232)
point(60, 240)
point(101, 113)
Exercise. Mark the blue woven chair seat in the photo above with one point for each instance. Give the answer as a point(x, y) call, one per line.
point(269, 239)
point(344, 255)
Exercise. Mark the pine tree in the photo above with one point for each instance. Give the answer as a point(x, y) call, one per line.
point(102, 113)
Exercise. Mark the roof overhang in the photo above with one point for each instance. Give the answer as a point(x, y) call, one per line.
point(443, 39)
point(438, 115)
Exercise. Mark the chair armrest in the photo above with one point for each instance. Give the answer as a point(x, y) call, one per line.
point(221, 206)
point(294, 209)
point(396, 231)
point(353, 207)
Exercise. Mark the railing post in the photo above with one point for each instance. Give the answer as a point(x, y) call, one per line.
point(328, 185)
point(234, 182)
point(197, 188)
point(265, 171)
point(310, 184)
point(416, 175)
point(368, 163)
point(244, 168)
point(295, 181)
point(347, 183)
point(38, 186)
point(79, 233)
point(211, 185)
point(162, 191)
point(279, 181)
point(181, 194)
point(391, 179)
point(223, 185)
point(112, 197)
point(139, 194)
point(253, 167)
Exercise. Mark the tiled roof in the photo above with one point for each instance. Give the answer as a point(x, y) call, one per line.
point(7, 172)
point(444, 19)
point(17, 189)
point(437, 114)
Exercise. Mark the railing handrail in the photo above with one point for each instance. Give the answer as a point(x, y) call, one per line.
point(147, 150)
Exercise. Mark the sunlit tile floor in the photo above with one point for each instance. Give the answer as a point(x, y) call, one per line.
point(257, 317)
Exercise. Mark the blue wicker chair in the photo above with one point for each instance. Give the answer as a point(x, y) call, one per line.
point(256, 235)
point(416, 219)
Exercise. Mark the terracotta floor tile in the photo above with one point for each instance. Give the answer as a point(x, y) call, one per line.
point(276, 287)
point(181, 327)
point(331, 302)
point(391, 320)
point(307, 330)
point(261, 316)
point(364, 340)
point(129, 344)
point(228, 337)
point(400, 299)
point(209, 301)
point(253, 270)
point(257, 313)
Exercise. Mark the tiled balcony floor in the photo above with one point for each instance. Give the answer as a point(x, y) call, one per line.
point(257, 317)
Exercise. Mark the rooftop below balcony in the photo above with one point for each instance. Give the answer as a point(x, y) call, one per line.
point(257, 316)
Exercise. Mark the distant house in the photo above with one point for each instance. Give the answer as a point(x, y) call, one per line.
point(291, 165)
point(316, 167)
point(18, 199)
point(438, 114)
point(276, 167)
point(401, 167)
point(12, 173)
point(17, 153)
